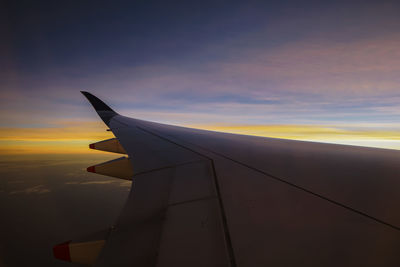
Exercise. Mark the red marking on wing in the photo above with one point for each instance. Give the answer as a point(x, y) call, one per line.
point(91, 169)
point(61, 251)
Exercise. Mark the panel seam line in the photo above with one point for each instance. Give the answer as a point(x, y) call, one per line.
point(303, 189)
point(228, 239)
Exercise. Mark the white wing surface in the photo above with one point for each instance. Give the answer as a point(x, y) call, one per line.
point(203, 198)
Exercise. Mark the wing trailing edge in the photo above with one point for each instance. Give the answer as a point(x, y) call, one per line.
point(109, 145)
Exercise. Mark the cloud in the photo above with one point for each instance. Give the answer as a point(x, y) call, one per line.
point(39, 189)
point(72, 183)
point(97, 182)
point(310, 66)
point(300, 78)
point(125, 184)
point(102, 182)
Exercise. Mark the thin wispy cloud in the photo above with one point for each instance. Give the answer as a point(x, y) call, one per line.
point(38, 189)
point(102, 182)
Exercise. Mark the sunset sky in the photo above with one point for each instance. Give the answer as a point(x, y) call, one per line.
point(308, 70)
point(325, 71)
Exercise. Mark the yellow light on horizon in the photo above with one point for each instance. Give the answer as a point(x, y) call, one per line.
point(74, 139)
point(65, 139)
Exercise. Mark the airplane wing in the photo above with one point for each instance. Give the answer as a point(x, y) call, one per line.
point(203, 198)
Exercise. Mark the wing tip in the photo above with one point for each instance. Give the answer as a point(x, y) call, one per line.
point(97, 103)
point(100, 106)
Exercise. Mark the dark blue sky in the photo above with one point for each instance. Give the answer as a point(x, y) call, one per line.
point(53, 34)
point(96, 35)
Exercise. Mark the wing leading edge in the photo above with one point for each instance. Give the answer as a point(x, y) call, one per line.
point(204, 198)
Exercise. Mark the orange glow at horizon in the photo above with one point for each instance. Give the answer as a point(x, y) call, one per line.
point(70, 138)
point(75, 138)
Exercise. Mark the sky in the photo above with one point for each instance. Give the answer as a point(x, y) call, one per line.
point(326, 71)
point(236, 66)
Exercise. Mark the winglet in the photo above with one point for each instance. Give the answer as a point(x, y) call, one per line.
point(104, 111)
